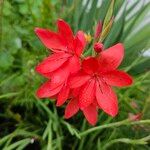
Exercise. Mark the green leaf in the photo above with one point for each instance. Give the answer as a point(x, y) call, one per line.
point(118, 5)
point(6, 60)
point(132, 7)
point(88, 18)
point(108, 15)
point(16, 144)
point(101, 12)
point(116, 30)
point(141, 67)
point(78, 9)
point(138, 37)
point(131, 24)
point(106, 30)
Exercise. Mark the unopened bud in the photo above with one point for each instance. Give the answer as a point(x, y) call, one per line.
point(98, 30)
point(135, 117)
point(98, 47)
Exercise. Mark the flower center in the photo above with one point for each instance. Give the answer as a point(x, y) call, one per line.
point(95, 75)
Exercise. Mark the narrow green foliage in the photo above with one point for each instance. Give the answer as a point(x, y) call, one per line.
point(27, 122)
point(109, 14)
point(116, 30)
point(106, 30)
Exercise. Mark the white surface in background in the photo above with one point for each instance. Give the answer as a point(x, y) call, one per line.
point(147, 53)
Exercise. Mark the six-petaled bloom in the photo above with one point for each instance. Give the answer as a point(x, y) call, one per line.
point(65, 60)
point(95, 79)
point(85, 83)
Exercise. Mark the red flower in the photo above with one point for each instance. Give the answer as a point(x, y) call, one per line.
point(64, 60)
point(66, 48)
point(96, 78)
point(89, 112)
point(87, 84)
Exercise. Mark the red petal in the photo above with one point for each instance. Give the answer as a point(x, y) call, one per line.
point(111, 58)
point(74, 64)
point(66, 32)
point(87, 94)
point(60, 76)
point(80, 42)
point(78, 80)
point(52, 63)
point(106, 98)
point(51, 39)
point(81, 37)
point(63, 95)
point(47, 90)
point(72, 108)
point(90, 65)
point(118, 78)
point(91, 114)
point(76, 92)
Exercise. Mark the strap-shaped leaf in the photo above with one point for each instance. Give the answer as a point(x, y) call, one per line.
point(108, 15)
point(88, 19)
point(116, 30)
point(106, 30)
point(132, 22)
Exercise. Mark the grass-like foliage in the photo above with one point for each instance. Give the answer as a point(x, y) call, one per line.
point(29, 123)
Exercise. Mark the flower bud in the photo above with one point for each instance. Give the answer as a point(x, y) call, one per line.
point(98, 47)
point(135, 117)
point(98, 30)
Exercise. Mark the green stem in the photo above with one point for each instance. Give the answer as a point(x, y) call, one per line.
point(9, 95)
point(128, 141)
point(83, 139)
point(44, 107)
point(116, 124)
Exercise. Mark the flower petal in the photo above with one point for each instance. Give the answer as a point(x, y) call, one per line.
point(52, 63)
point(87, 94)
point(91, 114)
point(47, 90)
point(74, 64)
point(106, 98)
point(60, 76)
point(51, 39)
point(72, 108)
point(63, 95)
point(79, 79)
point(66, 32)
point(76, 92)
point(117, 78)
point(79, 42)
point(111, 58)
point(90, 65)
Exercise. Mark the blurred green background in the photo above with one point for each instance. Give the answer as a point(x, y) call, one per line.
point(29, 123)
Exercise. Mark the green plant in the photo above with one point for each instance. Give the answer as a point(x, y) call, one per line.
point(30, 123)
